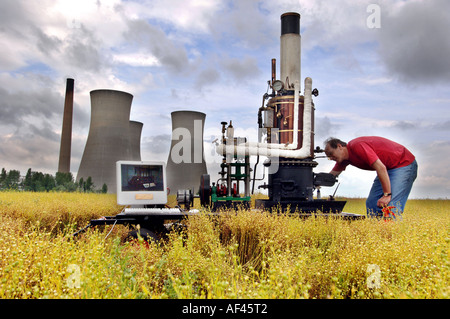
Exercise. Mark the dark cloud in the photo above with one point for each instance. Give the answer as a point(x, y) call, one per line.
point(81, 117)
point(235, 25)
point(414, 42)
point(83, 51)
point(207, 77)
point(78, 49)
point(45, 43)
point(157, 144)
point(416, 125)
point(29, 151)
point(240, 69)
point(405, 125)
point(16, 106)
point(213, 70)
point(443, 126)
point(13, 16)
point(168, 53)
point(45, 132)
point(433, 176)
point(19, 21)
point(29, 124)
point(174, 94)
point(324, 128)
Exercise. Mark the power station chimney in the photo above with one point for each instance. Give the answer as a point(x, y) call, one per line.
point(109, 138)
point(66, 133)
point(186, 162)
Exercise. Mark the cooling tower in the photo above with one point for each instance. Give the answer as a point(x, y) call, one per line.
point(186, 161)
point(135, 140)
point(66, 133)
point(109, 138)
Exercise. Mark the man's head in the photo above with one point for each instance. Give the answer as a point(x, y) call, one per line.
point(336, 149)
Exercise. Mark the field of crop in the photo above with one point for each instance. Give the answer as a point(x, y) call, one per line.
point(240, 254)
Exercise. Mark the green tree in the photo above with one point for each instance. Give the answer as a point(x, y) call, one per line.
point(81, 184)
point(48, 182)
point(27, 183)
point(13, 179)
point(40, 182)
point(37, 182)
point(3, 177)
point(89, 185)
point(62, 178)
point(65, 182)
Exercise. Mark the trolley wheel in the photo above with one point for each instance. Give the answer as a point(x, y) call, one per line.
point(147, 235)
point(205, 190)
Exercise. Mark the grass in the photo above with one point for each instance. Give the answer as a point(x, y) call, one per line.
point(239, 254)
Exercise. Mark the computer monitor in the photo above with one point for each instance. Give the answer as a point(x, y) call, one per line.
point(141, 183)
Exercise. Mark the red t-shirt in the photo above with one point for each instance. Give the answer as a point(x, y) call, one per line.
point(364, 151)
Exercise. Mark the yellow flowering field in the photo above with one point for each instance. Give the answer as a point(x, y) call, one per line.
point(239, 254)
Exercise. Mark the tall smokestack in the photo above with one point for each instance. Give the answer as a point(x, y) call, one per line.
point(290, 50)
point(66, 133)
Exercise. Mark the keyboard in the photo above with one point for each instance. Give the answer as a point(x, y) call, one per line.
point(157, 211)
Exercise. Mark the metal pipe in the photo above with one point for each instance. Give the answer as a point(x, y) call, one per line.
point(254, 174)
point(229, 179)
point(274, 70)
point(294, 144)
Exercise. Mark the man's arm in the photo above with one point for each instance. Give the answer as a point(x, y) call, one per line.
point(385, 182)
point(336, 173)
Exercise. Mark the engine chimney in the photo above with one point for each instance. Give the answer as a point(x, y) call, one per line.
point(290, 49)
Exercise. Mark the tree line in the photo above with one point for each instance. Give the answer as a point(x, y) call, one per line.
point(40, 182)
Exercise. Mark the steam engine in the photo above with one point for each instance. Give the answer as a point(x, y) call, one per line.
point(286, 139)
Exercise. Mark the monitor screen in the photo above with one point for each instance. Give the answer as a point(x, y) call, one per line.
point(141, 182)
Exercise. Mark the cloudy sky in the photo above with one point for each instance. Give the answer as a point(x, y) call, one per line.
point(387, 77)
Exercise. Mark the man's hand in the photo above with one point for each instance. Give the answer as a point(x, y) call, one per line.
point(384, 201)
point(383, 176)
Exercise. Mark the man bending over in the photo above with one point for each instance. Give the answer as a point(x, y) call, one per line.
point(395, 165)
